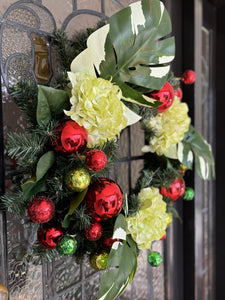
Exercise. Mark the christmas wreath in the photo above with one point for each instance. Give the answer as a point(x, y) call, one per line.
point(63, 159)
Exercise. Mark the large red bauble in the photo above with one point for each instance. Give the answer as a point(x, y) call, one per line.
point(175, 190)
point(104, 199)
point(188, 77)
point(94, 232)
point(164, 95)
point(48, 236)
point(71, 137)
point(96, 160)
point(41, 209)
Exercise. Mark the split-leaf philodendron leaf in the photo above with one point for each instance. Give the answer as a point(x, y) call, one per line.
point(131, 50)
point(195, 147)
point(122, 264)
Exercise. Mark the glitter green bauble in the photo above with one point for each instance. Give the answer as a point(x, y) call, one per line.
point(189, 194)
point(98, 261)
point(154, 258)
point(77, 180)
point(66, 245)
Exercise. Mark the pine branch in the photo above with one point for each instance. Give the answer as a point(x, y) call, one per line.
point(14, 203)
point(67, 49)
point(133, 204)
point(80, 220)
point(25, 147)
point(24, 94)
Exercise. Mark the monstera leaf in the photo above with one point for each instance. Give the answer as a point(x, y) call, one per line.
point(195, 147)
point(122, 263)
point(131, 50)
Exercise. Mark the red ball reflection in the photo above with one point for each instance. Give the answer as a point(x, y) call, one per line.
point(104, 199)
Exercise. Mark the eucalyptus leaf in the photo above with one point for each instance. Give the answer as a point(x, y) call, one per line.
point(76, 200)
point(38, 184)
point(44, 164)
point(32, 187)
point(51, 103)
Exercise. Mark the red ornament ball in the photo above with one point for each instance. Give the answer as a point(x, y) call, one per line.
point(71, 138)
point(48, 236)
point(108, 241)
point(179, 93)
point(94, 232)
point(104, 199)
point(175, 190)
point(41, 209)
point(164, 95)
point(188, 77)
point(163, 237)
point(96, 160)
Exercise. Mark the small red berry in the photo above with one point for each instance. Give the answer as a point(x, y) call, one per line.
point(96, 160)
point(188, 77)
point(94, 232)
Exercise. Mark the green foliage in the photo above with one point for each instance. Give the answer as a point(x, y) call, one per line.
point(14, 203)
point(131, 49)
point(121, 265)
point(51, 103)
point(194, 146)
point(67, 49)
point(25, 147)
point(144, 111)
point(24, 94)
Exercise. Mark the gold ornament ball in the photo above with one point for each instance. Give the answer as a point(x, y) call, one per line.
point(98, 261)
point(3, 292)
point(77, 180)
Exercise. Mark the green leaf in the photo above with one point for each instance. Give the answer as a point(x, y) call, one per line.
point(131, 50)
point(51, 103)
point(74, 203)
point(131, 95)
point(137, 51)
point(120, 228)
point(32, 187)
point(38, 184)
point(194, 145)
point(122, 262)
point(44, 164)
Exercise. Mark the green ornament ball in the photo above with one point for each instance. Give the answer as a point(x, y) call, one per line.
point(154, 259)
point(66, 245)
point(98, 261)
point(189, 194)
point(77, 180)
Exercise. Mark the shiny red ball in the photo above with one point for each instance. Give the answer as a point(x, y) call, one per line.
point(104, 199)
point(188, 77)
point(175, 190)
point(71, 138)
point(48, 236)
point(96, 160)
point(179, 93)
point(164, 95)
point(163, 237)
point(108, 241)
point(41, 209)
point(94, 232)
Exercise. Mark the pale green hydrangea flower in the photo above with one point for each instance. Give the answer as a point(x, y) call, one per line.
point(170, 127)
point(151, 221)
point(96, 105)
